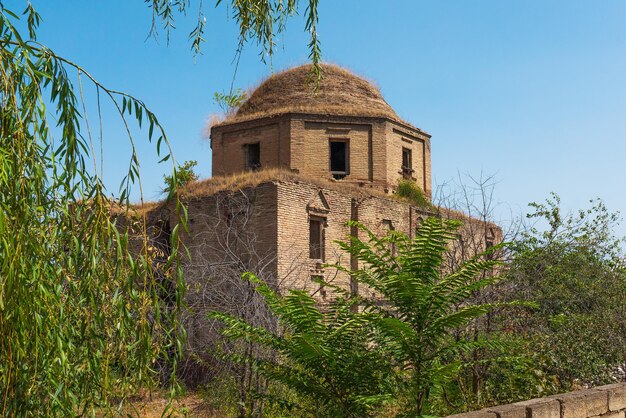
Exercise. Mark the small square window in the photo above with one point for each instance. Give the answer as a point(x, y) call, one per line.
point(339, 158)
point(252, 156)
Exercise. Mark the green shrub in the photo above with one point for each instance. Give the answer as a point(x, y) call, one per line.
point(181, 175)
point(358, 354)
point(324, 355)
point(574, 270)
point(425, 307)
point(411, 191)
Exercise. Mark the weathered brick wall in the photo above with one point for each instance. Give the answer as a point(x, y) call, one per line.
point(310, 136)
point(300, 142)
point(228, 142)
point(265, 229)
point(315, 139)
point(298, 202)
point(228, 233)
point(600, 402)
point(398, 137)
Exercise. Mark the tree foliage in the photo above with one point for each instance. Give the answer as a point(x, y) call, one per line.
point(424, 305)
point(182, 175)
point(259, 21)
point(82, 323)
point(574, 270)
point(324, 355)
point(399, 344)
point(83, 320)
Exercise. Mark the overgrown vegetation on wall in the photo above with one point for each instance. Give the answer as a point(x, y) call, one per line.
point(359, 357)
point(554, 321)
point(409, 190)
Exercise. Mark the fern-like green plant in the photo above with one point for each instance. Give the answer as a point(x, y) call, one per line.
point(325, 356)
point(423, 306)
point(402, 343)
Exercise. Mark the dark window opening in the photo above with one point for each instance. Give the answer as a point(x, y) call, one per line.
point(407, 163)
point(490, 238)
point(316, 238)
point(252, 155)
point(339, 160)
point(388, 224)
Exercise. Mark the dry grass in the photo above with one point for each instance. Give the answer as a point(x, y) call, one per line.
point(251, 179)
point(155, 404)
point(341, 92)
point(135, 210)
point(244, 180)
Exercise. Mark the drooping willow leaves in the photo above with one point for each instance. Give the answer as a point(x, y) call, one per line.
point(83, 320)
point(258, 20)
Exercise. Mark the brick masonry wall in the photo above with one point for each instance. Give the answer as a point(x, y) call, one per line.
point(228, 233)
point(398, 137)
point(310, 136)
point(265, 229)
point(316, 137)
point(227, 143)
point(233, 147)
point(300, 142)
point(298, 202)
point(601, 402)
point(269, 225)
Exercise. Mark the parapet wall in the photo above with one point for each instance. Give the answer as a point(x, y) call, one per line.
point(601, 402)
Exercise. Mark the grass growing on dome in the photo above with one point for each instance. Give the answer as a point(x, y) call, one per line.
point(340, 92)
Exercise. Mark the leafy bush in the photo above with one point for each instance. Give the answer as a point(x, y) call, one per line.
point(182, 175)
point(398, 345)
point(230, 102)
point(412, 192)
point(324, 355)
point(574, 270)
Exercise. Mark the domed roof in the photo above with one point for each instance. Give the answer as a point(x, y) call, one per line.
point(340, 93)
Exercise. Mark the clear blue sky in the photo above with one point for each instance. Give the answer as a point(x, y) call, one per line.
point(532, 91)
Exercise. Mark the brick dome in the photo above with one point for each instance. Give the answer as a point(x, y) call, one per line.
point(340, 93)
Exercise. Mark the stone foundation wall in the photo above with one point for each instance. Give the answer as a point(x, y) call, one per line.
point(600, 402)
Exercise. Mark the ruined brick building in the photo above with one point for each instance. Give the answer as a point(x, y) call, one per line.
point(344, 131)
point(290, 168)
